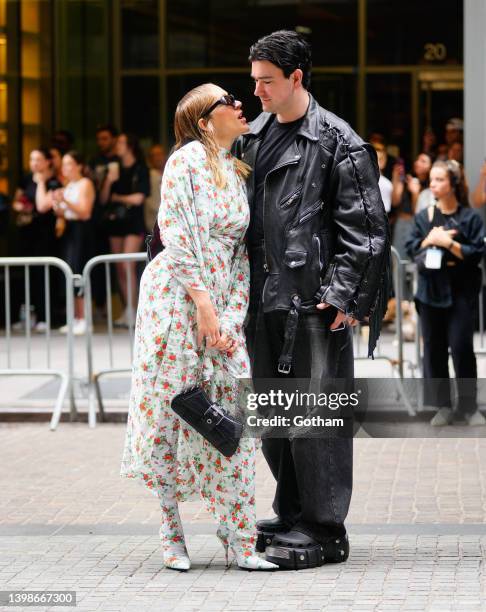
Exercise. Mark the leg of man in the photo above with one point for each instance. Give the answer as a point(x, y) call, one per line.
point(324, 464)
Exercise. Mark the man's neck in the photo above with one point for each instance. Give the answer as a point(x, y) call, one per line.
point(296, 109)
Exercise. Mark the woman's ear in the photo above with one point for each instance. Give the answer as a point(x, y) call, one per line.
point(202, 125)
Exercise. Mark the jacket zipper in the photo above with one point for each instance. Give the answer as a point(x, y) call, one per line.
point(310, 213)
point(289, 163)
point(289, 199)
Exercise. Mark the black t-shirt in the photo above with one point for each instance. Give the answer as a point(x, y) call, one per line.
point(277, 139)
point(29, 187)
point(133, 179)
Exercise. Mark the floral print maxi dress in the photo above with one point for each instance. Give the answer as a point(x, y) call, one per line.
point(202, 228)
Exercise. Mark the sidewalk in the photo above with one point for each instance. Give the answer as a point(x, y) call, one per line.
point(417, 529)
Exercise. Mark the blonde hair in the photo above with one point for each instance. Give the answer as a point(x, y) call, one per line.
point(190, 109)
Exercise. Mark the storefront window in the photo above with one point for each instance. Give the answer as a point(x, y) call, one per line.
point(140, 33)
point(141, 107)
point(415, 32)
point(389, 110)
point(220, 32)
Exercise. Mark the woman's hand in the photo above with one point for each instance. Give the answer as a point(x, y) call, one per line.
point(207, 324)
point(226, 344)
point(440, 237)
point(413, 185)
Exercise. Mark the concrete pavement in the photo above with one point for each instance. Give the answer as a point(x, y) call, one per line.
point(67, 521)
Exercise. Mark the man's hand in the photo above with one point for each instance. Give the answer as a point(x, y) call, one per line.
point(341, 319)
point(225, 344)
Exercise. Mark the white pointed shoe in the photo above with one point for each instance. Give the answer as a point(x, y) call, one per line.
point(176, 557)
point(172, 537)
point(245, 558)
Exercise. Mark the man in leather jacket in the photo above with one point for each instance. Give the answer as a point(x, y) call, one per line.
point(319, 252)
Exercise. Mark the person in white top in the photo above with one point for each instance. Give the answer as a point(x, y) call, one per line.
point(156, 162)
point(384, 184)
point(73, 205)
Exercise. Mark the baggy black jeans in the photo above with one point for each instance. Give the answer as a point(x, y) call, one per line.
point(314, 475)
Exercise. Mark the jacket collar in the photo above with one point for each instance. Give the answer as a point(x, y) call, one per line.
point(309, 128)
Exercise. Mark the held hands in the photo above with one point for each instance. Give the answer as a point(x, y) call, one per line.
point(440, 237)
point(341, 318)
point(208, 328)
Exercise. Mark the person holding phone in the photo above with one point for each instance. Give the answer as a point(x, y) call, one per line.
point(450, 237)
point(405, 194)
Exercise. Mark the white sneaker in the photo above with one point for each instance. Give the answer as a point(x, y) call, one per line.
point(79, 327)
point(123, 321)
point(442, 417)
point(40, 327)
point(475, 419)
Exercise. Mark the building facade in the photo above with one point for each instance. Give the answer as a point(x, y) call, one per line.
point(386, 66)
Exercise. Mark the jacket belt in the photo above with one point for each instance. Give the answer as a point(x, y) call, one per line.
point(285, 359)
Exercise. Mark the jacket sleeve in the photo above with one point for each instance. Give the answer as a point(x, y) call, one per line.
point(358, 280)
point(473, 248)
point(362, 234)
point(183, 228)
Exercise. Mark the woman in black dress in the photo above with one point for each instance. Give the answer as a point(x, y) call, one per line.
point(36, 227)
point(450, 235)
point(124, 190)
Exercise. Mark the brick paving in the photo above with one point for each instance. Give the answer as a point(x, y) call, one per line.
point(67, 521)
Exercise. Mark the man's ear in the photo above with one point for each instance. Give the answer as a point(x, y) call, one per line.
point(297, 76)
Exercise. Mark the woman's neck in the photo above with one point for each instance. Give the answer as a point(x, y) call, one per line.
point(226, 143)
point(448, 204)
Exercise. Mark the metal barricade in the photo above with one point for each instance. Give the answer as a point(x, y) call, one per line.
point(94, 376)
point(397, 362)
point(65, 376)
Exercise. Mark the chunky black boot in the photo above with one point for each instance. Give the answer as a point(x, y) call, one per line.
point(266, 530)
point(296, 550)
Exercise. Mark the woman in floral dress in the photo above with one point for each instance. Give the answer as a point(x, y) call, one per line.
point(193, 301)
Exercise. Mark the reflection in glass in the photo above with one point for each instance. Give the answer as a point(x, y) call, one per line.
point(141, 107)
point(3, 54)
point(140, 33)
point(220, 32)
point(388, 104)
point(336, 93)
point(415, 32)
point(30, 16)
point(3, 103)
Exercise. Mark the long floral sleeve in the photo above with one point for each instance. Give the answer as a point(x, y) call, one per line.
point(183, 229)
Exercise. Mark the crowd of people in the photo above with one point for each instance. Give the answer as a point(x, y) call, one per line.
point(75, 210)
point(433, 223)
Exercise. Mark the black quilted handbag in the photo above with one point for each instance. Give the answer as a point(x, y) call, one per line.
point(209, 419)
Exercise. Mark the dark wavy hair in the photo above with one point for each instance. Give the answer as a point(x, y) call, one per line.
point(287, 50)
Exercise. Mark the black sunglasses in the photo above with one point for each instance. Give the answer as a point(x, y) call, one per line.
point(226, 100)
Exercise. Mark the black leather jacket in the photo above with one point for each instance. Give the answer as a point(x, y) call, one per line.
point(326, 231)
